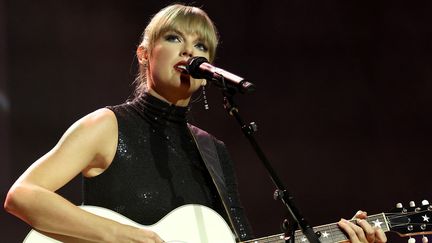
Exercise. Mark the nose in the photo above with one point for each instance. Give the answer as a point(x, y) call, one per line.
point(187, 51)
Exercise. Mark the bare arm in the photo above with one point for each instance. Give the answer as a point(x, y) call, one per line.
point(88, 145)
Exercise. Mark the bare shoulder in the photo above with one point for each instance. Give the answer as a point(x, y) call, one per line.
point(99, 131)
point(89, 143)
point(102, 119)
point(94, 126)
point(92, 139)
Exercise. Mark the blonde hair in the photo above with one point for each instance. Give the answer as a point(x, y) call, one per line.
point(176, 17)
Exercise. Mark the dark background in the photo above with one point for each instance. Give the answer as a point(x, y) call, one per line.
point(343, 101)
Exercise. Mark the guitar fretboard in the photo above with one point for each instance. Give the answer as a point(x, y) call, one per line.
point(330, 233)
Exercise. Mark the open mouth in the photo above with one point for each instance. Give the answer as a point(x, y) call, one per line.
point(181, 67)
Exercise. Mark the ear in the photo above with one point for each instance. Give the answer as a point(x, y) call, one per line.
point(142, 55)
point(204, 82)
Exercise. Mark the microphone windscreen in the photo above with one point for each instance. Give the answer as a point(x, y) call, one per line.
point(193, 66)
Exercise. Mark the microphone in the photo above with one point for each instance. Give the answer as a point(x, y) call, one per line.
point(199, 67)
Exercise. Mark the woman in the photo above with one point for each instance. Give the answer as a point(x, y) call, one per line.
point(141, 158)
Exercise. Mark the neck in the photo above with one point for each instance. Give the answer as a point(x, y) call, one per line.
point(169, 99)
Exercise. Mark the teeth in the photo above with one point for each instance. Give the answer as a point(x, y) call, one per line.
point(182, 68)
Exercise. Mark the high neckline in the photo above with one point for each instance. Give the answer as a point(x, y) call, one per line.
point(160, 110)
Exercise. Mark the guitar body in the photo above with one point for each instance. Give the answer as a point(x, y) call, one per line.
point(186, 224)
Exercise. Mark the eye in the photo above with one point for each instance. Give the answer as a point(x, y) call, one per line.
point(202, 47)
point(172, 38)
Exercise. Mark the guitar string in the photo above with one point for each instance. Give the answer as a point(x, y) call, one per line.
point(394, 216)
point(407, 213)
point(336, 234)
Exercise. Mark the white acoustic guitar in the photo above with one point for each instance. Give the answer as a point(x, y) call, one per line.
point(199, 224)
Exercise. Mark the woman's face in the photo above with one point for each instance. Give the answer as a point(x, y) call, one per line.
point(169, 53)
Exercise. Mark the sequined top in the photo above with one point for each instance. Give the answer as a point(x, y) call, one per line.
point(157, 166)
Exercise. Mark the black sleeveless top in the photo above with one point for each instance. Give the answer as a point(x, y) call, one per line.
point(156, 168)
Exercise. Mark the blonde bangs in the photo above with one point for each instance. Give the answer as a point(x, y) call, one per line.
point(183, 18)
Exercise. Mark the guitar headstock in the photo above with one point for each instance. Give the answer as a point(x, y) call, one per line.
point(412, 220)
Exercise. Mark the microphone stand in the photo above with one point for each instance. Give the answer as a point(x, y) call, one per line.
point(295, 219)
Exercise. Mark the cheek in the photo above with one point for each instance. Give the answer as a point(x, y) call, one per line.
point(159, 61)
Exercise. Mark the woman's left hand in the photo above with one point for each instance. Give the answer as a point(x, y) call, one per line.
point(362, 232)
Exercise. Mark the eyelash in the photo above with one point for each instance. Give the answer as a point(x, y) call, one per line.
point(173, 37)
point(203, 47)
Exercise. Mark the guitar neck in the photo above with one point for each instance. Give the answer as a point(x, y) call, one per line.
point(330, 233)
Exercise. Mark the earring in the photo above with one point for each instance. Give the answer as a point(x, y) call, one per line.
point(206, 106)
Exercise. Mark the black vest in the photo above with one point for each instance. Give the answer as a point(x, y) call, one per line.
point(157, 167)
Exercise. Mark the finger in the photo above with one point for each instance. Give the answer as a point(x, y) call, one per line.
point(158, 239)
point(380, 236)
point(359, 231)
point(360, 215)
point(368, 230)
point(153, 237)
point(350, 230)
